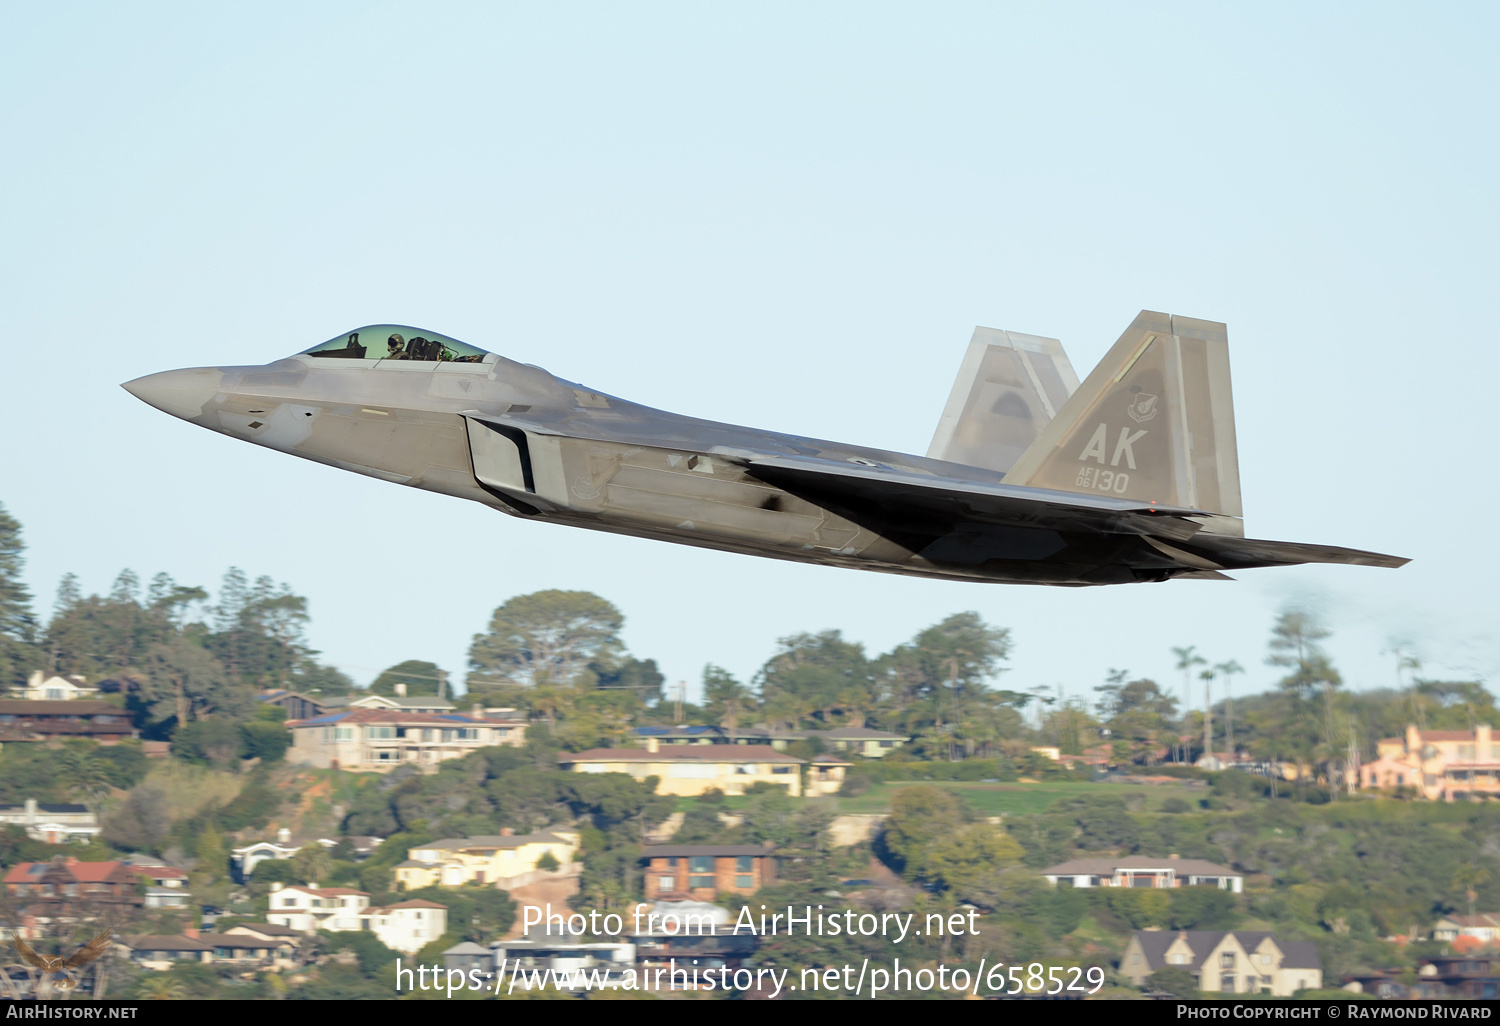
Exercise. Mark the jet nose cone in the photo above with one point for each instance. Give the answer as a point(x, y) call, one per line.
point(181, 393)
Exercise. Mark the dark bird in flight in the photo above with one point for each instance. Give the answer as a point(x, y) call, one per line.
point(58, 965)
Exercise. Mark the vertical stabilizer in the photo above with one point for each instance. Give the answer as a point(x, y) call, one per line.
point(1153, 422)
point(1008, 389)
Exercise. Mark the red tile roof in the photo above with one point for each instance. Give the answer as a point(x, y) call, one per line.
point(83, 872)
point(695, 753)
point(161, 872)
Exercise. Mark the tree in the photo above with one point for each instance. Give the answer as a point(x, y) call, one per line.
point(18, 652)
point(547, 638)
point(419, 677)
point(140, 822)
point(312, 863)
point(160, 988)
point(1187, 658)
point(1294, 645)
point(724, 698)
point(1227, 670)
point(816, 677)
point(1173, 980)
point(1468, 878)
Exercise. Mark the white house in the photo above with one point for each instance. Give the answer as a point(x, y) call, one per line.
point(52, 687)
point(407, 926)
point(54, 824)
point(402, 703)
point(1144, 871)
point(309, 909)
point(1484, 927)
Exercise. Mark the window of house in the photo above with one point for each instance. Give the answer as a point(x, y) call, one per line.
point(1265, 959)
point(781, 769)
point(1178, 959)
point(672, 861)
point(701, 864)
point(1226, 983)
point(54, 693)
point(381, 733)
point(744, 881)
point(744, 863)
point(887, 744)
point(664, 884)
point(700, 881)
point(343, 733)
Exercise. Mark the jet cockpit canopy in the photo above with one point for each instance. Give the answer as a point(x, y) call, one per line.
point(396, 342)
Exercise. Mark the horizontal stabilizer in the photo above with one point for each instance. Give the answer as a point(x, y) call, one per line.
point(1240, 553)
point(1009, 387)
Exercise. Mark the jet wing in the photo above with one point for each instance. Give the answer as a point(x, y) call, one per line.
point(834, 484)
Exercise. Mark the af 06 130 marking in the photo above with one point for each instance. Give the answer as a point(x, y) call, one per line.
point(1100, 440)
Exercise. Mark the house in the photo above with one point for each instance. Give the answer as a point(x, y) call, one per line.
point(159, 953)
point(63, 718)
point(67, 878)
point(169, 877)
point(302, 707)
point(701, 871)
point(825, 775)
point(379, 740)
point(52, 823)
point(687, 931)
point(568, 960)
point(693, 769)
point(245, 858)
point(310, 909)
point(1144, 871)
point(872, 744)
point(402, 703)
point(1483, 927)
point(251, 950)
point(1235, 961)
point(505, 860)
point(1462, 977)
point(467, 955)
point(1436, 764)
point(266, 931)
point(52, 687)
point(407, 926)
point(163, 897)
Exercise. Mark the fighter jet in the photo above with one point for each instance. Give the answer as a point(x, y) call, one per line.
point(1031, 477)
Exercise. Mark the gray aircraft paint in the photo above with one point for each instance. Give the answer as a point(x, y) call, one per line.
point(1131, 476)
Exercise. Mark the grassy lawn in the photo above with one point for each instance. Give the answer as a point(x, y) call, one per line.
point(1020, 799)
point(997, 799)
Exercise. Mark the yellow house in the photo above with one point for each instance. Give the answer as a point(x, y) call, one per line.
point(504, 860)
point(1238, 962)
point(1437, 764)
point(693, 769)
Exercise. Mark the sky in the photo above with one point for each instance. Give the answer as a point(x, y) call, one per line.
point(789, 216)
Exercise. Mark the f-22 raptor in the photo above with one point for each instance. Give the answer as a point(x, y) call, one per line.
point(1031, 477)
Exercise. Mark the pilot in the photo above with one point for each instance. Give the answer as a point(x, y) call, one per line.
point(396, 348)
point(353, 342)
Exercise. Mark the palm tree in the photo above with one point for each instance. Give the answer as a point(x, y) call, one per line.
point(1469, 877)
point(1187, 658)
point(161, 988)
point(1227, 670)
